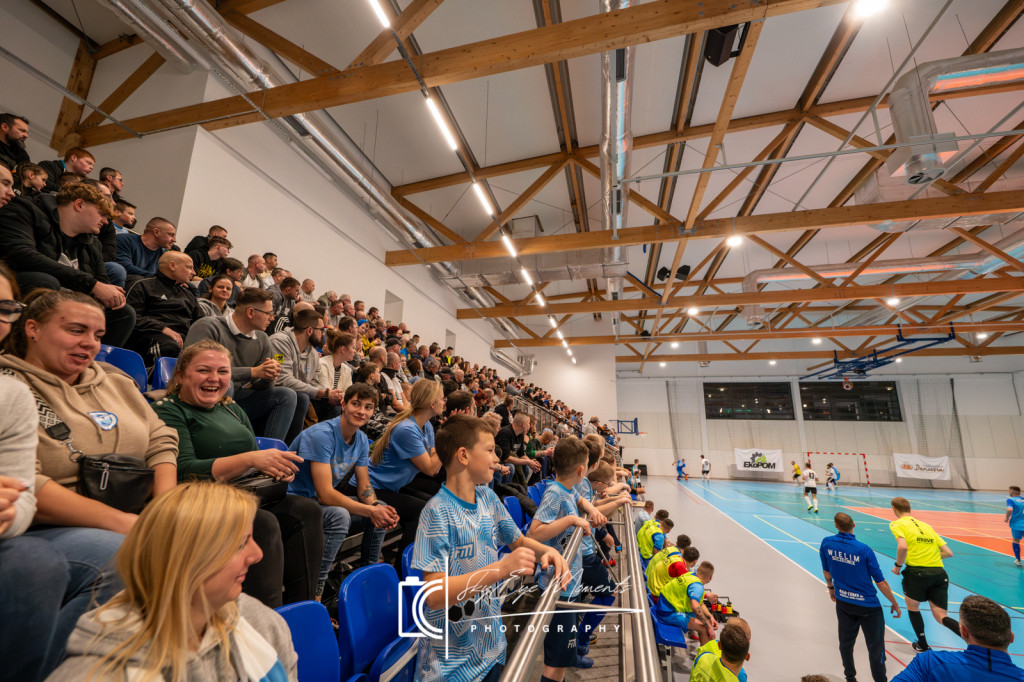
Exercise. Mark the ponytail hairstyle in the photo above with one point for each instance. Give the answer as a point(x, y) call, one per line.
point(424, 392)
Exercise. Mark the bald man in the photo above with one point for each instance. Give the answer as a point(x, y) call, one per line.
point(138, 254)
point(165, 308)
point(307, 289)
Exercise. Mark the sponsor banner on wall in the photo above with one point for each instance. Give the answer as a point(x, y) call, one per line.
point(919, 466)
point(757, 459)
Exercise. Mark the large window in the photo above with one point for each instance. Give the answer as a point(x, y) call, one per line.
point(869, 401)
point(748, 400)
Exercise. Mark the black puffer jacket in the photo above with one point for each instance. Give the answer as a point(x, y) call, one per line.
point(31, 241)
point(161, 302)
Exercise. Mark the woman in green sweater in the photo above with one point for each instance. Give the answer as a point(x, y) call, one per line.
point(216, 441)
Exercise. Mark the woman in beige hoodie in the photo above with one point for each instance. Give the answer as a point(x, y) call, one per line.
point(50, 349)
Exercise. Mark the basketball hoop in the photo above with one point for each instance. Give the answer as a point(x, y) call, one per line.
point(642, 434)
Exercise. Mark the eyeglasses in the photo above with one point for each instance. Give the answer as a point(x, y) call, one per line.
point(10, 311)
point(265, 312)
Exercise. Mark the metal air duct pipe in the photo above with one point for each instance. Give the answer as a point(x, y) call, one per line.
point(616, 136)
point(974, 264)
point(316, 136)
point(156, 32)
point(911, 109)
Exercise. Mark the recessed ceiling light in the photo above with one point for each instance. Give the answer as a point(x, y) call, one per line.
point(893, 302)
point(661, 364)
point(693, 311)
point(771, 362)
point(899, 359)
point(734, 241)
point(816, 341)
point(675, 344)
point(981, 336)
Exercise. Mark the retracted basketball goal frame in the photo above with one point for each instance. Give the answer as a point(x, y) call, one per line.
point(863, 457)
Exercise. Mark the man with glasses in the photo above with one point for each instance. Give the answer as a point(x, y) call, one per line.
point(270, 408)
point(114, 180)
point(297, 351)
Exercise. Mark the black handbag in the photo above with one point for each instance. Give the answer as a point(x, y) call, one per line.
point(119, 481)
point(267, 488)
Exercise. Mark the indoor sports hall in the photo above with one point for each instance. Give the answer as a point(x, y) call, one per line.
point(511, 340)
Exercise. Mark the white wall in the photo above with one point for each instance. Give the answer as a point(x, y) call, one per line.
point(976, 415)
point(588, 386)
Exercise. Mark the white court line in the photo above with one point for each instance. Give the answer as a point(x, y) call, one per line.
point(820, 579)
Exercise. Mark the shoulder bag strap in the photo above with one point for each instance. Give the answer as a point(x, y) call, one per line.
point(48, 419)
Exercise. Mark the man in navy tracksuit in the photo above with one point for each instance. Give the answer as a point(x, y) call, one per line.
point(850, 567)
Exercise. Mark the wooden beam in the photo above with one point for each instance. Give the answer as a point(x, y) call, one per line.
point(1013, 285)
point(116, 45)
point(738, 125)
point(125, 90)
point(745, 172)
point(821, 355)
point(431, 221)
point(592, 34)
point(65, 133)
point(277, 43)
point(719, 228)
point(985, 246)
point(403, 25)
point(764, 335)
point(793, 262)
point(634, 196)
point(522, 200)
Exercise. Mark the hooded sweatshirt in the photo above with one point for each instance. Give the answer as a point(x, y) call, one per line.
point(106, 415)
point(258, 637)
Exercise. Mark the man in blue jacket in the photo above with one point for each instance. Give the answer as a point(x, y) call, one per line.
point(851, 572)
point(985, 626)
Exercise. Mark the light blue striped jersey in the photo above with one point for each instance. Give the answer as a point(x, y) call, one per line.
point(586, 491)
point(559, 501)
point(468, 537)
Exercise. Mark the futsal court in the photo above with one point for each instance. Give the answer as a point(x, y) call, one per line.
point(764, 544)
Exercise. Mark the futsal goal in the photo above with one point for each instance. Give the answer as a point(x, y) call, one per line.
point(852, 466)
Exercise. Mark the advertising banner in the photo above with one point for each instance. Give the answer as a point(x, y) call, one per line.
point(919, 466)
point(758, 459)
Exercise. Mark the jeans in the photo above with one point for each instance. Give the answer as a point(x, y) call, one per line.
point(337, 523)
point(871, 619)
point(48, 578)
point(408, 503)
point(275, 406)
point(299, 418)
point(116, 274)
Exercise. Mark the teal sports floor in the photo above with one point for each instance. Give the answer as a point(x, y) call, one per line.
point(971, 522)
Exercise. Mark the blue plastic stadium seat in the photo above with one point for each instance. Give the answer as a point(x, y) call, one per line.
point(128, 361)
point(162, 372)
point(668, 635)
point(270, 443)
point(313, 638)
point(515, 510)
point(393, 653)
point(535, 494)
point(367, 616)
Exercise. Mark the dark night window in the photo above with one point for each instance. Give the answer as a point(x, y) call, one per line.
point(748, 400)
point(868, 401)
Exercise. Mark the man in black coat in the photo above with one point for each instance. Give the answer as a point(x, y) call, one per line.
point(50, 242)
point(13, 133)
point(165, 308)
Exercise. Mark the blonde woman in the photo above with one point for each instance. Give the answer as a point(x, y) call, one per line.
point(182, 614)
point(404, 462)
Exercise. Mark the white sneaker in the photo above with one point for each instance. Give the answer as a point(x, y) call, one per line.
point(1016, 562)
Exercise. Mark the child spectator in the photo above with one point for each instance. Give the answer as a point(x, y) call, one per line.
point(32, 178)
point(682, 603)
point(76, 160)
point(651, 537)
point(553, 525)
point(330, 452)
point(467, 514)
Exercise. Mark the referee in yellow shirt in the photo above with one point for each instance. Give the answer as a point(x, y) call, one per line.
point(919, 552)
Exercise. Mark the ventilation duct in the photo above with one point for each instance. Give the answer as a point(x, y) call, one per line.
point(973, 265)
point(522, 364)
point(616, 135)
point(910, 108)
point(320, 140)
point(554, 273)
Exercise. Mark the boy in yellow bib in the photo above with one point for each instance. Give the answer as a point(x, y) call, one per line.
point(722, 660)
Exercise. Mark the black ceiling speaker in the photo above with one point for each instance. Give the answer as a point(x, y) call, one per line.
point(683, 272)
point(719, 42)
point(663, 274)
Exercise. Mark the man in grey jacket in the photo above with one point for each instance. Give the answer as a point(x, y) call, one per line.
point(296, 349)
point(253, 369)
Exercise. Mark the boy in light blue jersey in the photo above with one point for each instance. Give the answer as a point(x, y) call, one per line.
point(1015, 517)
point(595, 576)
point(461, 529)
point(553, 525)
point(330, 451)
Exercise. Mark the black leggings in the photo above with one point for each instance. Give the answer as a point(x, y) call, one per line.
point(408, 503)
point(290, 533)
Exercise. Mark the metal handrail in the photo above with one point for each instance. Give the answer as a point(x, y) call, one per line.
point(520, 663)
point(645, 649)
point(542, 412)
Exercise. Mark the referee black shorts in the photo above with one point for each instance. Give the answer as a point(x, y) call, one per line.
point(927, 583)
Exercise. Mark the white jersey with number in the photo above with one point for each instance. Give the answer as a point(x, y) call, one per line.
point(810, 478)
point(831, 472)
point(705, 466)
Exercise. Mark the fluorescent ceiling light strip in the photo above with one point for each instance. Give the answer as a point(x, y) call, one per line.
point(439, 120)
point(482, 196)
point(379, 11)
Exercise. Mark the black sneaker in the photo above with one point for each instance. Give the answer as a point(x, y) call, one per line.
point(918, 648)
